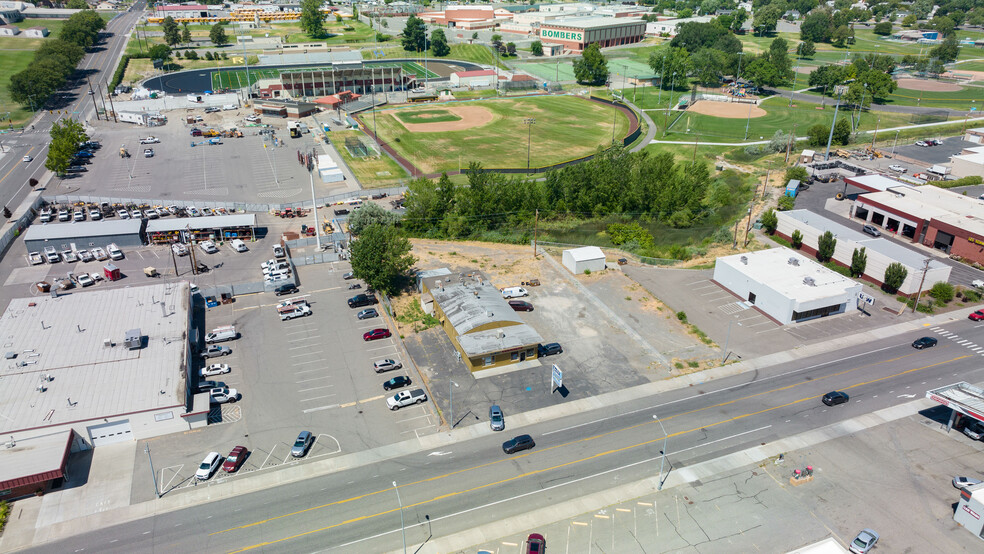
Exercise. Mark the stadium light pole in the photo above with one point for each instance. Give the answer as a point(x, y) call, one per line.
point(830, 137)
point(530, 122)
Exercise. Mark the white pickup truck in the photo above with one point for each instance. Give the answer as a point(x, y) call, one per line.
point(406, 398)
point(295, 310)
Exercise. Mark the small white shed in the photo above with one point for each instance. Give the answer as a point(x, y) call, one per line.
point(577, 260)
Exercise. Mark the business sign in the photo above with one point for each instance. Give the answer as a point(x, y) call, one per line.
point(556, 378)
point(866, 298)
point(575, 36)
point(976, 241)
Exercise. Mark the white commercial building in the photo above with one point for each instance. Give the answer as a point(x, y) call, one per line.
point(588, 258)
point(111, 365)
point(880, 252)
point(329, 170)
point(970, 162)
point(669, 27)
point(785, 285)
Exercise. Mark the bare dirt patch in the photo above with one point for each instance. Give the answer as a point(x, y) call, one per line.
point(727, 110)
point(471, 116)
point(929, 86)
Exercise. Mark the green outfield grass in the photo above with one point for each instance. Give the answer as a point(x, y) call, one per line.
point(477, 53)
point(779, 117)
point(566, 128)
point(970, 66)
point(375, 171)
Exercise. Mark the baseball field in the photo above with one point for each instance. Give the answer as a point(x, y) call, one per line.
point(448, 136)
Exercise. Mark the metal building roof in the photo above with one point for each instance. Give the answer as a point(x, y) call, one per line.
point(962, 397)
point(586, 253)
point(207, 222)
point(34, 460)
point(58, 231)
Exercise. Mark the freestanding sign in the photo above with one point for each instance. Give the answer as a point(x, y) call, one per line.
point(556, 378)
point(865, 299)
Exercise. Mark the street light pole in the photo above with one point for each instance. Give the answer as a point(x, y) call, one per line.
point(451, 400)
point(153, 474)
point(403, 527)
point(662, 453)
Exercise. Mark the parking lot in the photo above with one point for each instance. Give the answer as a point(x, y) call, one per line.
point(255, 168)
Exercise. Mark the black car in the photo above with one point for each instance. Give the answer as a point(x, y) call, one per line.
point(76, 169)
point(341, 211)
point(520, 306)
point(360, 300)
point(285, 289)
point(368, 313)
point(548, 349)
point(397, 383)
point(925, 342)
point(834, 398)
point(522, 442)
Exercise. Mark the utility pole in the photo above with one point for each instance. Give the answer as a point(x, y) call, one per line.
point(92, 93)
point(921, 281)
point(875, 136)
point(174, 260)
point(529, 121)
point(831, 136)
point(789, 145)
point(896, 142)
point(536, 223)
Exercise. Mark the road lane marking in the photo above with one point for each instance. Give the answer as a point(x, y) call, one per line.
point(566, 464)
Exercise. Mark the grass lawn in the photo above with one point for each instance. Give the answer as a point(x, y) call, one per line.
point(477, 53)
point(970, 66)
point(426, 116)
point(566, 128)
point(704, 153)
point(374, 171)
point(779, 117)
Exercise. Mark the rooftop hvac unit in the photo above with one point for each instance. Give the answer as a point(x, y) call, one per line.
point(133, 339)
point(809, 281)
point(744, 260)
point(794, 261)
point(500, 333)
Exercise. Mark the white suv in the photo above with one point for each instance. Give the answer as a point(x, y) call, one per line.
point(209, 465)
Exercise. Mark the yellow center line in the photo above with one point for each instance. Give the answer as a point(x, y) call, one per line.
point(570, 463)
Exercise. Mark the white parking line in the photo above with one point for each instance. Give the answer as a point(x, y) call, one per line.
point(305, 353)
point(268, 455)
point(413, 418)
point(320, 408)
point(316, 397)
point(381, 348)
point(312, 379)
point(301, 339)
point(315, 388)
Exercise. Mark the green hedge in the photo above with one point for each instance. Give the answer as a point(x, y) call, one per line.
point(121, 69)
point(964, 182)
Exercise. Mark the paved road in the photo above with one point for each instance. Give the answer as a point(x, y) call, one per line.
point(75, 102)
point(454, 488)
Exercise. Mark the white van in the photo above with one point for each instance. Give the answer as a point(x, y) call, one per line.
point(230, 107)
point(514, 292)
point(239, 245)
point(221, 334)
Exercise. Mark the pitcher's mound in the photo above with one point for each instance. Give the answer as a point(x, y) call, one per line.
point(929, 86)
point(729, 110)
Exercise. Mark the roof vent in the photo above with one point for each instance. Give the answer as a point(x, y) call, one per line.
point(500, 333)
point(744, 260)
point(808, 281)
point(440, 284)
point(794, 261)
point(488, 313)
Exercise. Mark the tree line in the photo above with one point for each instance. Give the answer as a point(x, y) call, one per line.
point(641, 185)
point(56, 59)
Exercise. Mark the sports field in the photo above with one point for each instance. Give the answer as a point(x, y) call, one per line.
point(561, 70)
point(373, 171)
point(778, 116)
point(237, 78)
point(493, 131)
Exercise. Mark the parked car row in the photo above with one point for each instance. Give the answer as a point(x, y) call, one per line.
point(213, 461)
point(51, 255)
point(95, 212)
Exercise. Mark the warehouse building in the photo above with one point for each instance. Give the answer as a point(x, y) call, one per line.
point(880, 251)
point(587, 258)
point(477, 78)
point(125, 233)
point(576, 33)
point(785, 285)
point(357, 78)
point(482, 326)
point(969, 163)
point(35, 465)
point(105, 366)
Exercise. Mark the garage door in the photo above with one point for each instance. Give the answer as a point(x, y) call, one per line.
point(109, 433)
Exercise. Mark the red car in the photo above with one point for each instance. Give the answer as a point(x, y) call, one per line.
point(977, 316)
point(536, 544)
point(376, 334)
point(235, 459)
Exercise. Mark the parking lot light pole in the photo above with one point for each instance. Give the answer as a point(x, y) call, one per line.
point(724, 353)
point(451, 400)
point(153, 474)
point(314, 209)
point(896, 142)
point(403, 527)
point(662, 453)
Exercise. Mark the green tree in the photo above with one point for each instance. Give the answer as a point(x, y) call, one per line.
point(884, 28)
point(591, 68)
point(806, 49)
point(381, 257)
point(817, 134)
point(439, 43)
point(511, 48)
point(672, 65)
point(817, 26)
point(368, 214)
point(796, 239)
point(160, 52)
point(942, 291)
point(35, 84)
point(842, 132)
point(738, 18)
point(77, 5)
point(825, 246)
point(172, 35)
point(909, 20)
point(798, 173)
point(82, 28)
point(66, 135)
point(312, 20)
point(338, 17)
point(859, 261)
point(943, 24)
point(895, 275)
point(766, 18)
point(208, 55)
point(536, 48)
point(185, 33)
point(217, 35)
point(770, 221)
point(475, 36)
point(948, 51)
point(414, 35)
point(191, 54)
point(840, 36)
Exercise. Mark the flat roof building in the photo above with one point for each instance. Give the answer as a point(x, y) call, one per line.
point(84, 235)
point(969, 163)
point(785, 285)
point(586, 258)
point(576, 33)
point(880, 251)
point(33, 465)
point(482, 326)
point(69, 369)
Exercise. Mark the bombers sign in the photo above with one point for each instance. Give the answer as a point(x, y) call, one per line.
point(574, 36)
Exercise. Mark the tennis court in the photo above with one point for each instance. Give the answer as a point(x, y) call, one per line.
point(628, 67)
point(561, 70)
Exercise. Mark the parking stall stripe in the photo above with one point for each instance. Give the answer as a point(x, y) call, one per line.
point(315, 388)
point(367, 400)
point(312, 379)
point(316, 398)
point(320, 408)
